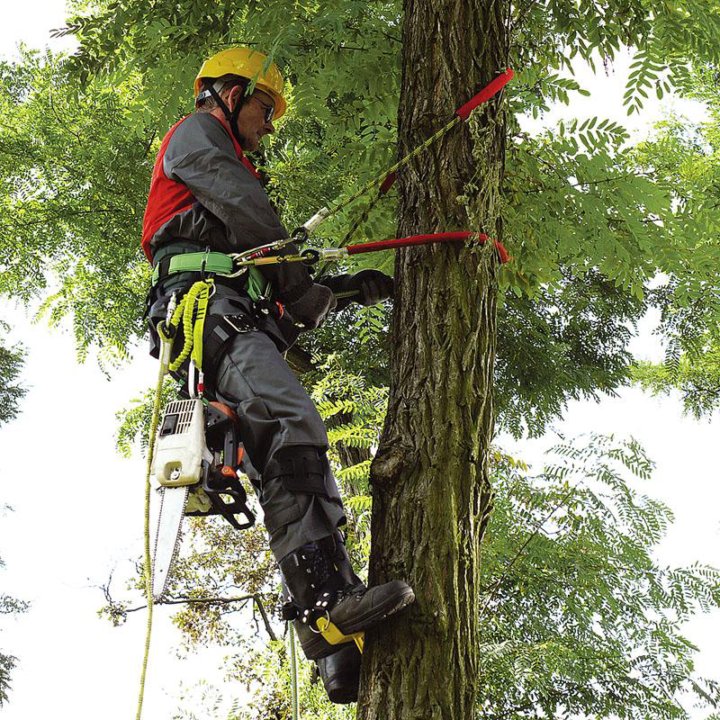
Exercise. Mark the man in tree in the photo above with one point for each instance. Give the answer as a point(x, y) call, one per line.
point(206, 195)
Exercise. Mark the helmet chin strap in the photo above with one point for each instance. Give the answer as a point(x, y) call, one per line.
point(231, 117)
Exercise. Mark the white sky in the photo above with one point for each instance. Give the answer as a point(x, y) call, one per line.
point(79, 506)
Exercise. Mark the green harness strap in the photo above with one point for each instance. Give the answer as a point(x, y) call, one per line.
point(213, 263)
point(209, 262)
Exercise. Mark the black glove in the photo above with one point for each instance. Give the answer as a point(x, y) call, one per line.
point(373, 286)
point(311, 308)
point(367, 287)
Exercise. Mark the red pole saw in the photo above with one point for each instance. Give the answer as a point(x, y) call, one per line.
point(387, 179)
point(384, 182)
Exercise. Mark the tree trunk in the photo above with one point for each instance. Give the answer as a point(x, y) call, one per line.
point(430, 484)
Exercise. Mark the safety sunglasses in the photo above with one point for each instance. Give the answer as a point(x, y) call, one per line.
point(269, 109)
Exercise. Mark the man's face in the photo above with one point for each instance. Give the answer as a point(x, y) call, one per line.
point(251, 121)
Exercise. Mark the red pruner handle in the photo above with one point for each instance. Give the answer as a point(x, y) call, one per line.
point(492, 88)
point(503, 254)
point(388, 182)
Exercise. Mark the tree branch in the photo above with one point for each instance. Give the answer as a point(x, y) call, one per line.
point(257, 599)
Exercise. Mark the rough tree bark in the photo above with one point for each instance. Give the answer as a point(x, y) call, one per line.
point(430, 477)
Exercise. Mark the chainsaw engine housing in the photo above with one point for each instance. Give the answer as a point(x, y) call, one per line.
point(181, 446)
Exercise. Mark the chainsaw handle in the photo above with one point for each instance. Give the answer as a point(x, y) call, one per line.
point(238, 506)
point(219, 481)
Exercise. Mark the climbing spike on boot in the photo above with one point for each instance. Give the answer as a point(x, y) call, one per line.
point(332, 634)
point(322, 584)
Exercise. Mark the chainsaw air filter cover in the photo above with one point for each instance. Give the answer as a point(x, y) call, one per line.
point(180, 446)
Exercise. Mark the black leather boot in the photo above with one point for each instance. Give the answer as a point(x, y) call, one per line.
point(322, 584)
point(339, 670)
point(340, 674)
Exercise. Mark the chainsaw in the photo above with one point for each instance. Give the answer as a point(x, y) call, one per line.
point(197, 464)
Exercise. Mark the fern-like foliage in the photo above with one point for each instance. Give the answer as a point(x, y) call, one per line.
point(578, 616)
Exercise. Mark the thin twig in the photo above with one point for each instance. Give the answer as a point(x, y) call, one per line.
point(257, 599)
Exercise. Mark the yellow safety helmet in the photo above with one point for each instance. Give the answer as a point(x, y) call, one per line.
point(246, 63)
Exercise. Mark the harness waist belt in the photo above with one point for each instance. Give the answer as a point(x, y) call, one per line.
point(212, 263)
point(209, 262)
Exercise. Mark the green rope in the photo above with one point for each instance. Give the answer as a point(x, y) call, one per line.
point(376, 182)
point(154, 422)
point(192, 310)
point(361, 220)
point(293, 673)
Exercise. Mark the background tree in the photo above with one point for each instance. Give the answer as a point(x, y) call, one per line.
point(579, 619)
point(8, 606)
point(11, 392)
point(11, 363)
point(687, 158)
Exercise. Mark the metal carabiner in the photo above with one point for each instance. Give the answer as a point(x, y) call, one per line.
point(310, 256)
point(327, 620)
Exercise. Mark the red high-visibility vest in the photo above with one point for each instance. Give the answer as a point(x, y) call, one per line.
point(168, 198)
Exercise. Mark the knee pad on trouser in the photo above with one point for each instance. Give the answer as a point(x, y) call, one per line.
point(300, 499)
point(301, 468)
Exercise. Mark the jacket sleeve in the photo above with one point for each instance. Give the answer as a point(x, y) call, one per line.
point(201, 155)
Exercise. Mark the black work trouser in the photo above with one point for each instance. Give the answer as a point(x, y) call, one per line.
point(276, 414)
